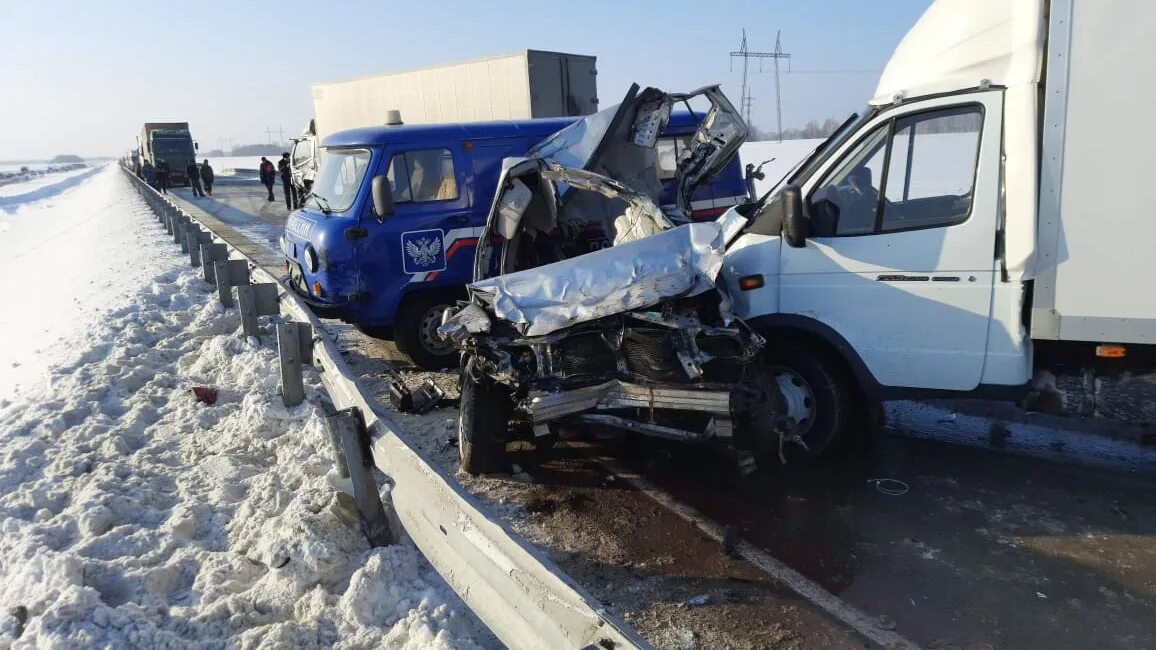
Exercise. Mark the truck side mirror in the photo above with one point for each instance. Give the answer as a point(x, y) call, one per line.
point(196, 146)
point(796, 228)
point(382, 197)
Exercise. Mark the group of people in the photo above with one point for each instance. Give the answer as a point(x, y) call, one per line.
point(268, 173)
point(158, 176)
point(201, 178)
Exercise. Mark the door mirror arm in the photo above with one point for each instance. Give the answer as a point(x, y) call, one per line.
point(382, 192)
point(796, 226)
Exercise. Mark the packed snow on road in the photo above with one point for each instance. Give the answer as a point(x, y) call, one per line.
point(134, 515)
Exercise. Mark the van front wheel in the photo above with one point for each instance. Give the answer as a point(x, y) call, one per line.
point(415, 331)
point(817, 399)
point(483, 419)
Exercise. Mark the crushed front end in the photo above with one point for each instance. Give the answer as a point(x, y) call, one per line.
point(635, 336)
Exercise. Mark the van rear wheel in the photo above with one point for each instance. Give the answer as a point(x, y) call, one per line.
point(483, 419)
point(415, 331)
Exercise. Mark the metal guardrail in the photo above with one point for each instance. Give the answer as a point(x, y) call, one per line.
point(523, 597)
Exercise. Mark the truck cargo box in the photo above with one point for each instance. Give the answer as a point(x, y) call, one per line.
point(523, 85)
point(1095, 255)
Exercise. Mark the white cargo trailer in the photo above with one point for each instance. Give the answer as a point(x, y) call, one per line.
point(523, 85)
point(518, 86)
point(983, 222)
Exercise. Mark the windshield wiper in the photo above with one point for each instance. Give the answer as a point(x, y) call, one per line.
point(322, 203)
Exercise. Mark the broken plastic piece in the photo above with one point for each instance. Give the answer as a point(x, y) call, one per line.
point(422, 400)
point(205, 395)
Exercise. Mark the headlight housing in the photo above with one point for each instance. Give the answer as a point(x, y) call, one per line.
point(311, 261)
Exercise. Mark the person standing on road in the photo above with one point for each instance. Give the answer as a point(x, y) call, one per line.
point(267, 175)
point(163, 171)
point(149, 174)
point(194, 174)
point(207, 177)
point(286, 170)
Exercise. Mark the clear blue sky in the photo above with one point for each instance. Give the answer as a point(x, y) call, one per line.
point(81, 76)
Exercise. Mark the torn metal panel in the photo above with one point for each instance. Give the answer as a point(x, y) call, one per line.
point(471, 319)
point(683, 261)
point(718, 138)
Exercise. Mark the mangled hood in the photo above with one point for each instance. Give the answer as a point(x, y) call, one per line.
point(602, 171)
point(682, 261)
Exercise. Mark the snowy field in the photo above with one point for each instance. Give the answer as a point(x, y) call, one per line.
point(133, 515)
point(783, 155)
point(25, 190)
point(16, 166)
point(226, 163)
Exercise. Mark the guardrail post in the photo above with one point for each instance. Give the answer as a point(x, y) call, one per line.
point(179, 232)
point(210, 255)
point(347, 427)
point(229, 274)
point(196, 237)
point(256, 300)
point(295, 347)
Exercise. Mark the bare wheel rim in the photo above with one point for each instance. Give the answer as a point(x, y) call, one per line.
point(427, 331)
point(798, 396)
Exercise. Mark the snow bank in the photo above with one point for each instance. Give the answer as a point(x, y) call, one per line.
point(132, 515)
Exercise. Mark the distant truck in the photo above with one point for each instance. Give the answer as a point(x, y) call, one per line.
point(171, 142)
point(519, 86)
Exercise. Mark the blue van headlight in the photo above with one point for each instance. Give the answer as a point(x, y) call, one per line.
point(310, 258)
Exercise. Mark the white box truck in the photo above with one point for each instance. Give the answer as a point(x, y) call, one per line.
point(523, 85)
point(980, 227)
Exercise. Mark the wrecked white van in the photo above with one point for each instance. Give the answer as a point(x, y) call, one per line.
point(636, 336)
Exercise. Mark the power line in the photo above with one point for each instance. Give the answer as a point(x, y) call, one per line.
point(790, 71)
point(746, 55)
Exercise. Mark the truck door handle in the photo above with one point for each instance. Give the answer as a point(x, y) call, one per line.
point(459, 221)
point(903, 278)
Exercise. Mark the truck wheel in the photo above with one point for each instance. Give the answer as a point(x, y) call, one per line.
point(817, 398)
point(415, 331)
point(483, 419)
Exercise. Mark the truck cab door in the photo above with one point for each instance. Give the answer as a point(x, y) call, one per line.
point(901, 259)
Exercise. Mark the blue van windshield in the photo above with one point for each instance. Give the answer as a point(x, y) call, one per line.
point(339, 178)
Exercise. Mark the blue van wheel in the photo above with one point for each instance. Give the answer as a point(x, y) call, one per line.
point(415, 331)
point(483, 420)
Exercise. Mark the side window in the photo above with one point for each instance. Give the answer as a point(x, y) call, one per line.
point(398, 176)
point(669, 150)
point(917, 171)
point(420, 176)
point(931, 173)
point(848, 199)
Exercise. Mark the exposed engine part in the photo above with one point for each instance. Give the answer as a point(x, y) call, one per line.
point(542, 406)
point(716, 428)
